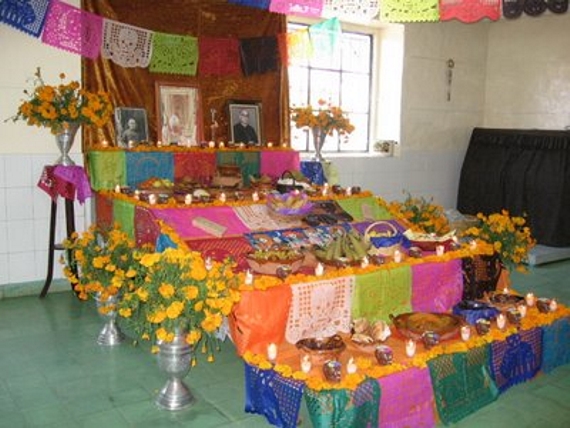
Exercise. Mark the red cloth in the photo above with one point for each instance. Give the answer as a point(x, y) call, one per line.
point(218, 249)
point(469, 10)
point(146, 227)
point(218, 57)
point(199, 166)
point(103, 211)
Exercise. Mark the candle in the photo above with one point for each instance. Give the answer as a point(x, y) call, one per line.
point(306, 364)
point(397, 256)
point(365, 262)
point(137, 194)
point(553, 305)
point(208, 264)
point(222, 197)
point(152, 199)
point(506, 290)
point(522, 310)
point(473, 244)
point(348, 191)
point(501, 321)
point(325, 191)
point(255, 196)
point(211, 144)
point(241, 145)
point(351, 366)
point(221, 145)
point(439, 250)
point(248, 277)
point(319, 269)
point(410, 348)
point(530, 299)
point(272, 352)
point(104, 143)
point(188, 199)
point(269, 144)
point(117, 188)
point(465, 333)
point(159, 143)
point(131, 144)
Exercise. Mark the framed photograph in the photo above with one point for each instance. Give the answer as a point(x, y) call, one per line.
point(245, 122)
point(131, 125)
point(179, 114)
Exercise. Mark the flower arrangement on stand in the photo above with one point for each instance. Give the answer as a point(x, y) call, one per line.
point(509, 235)
point(322, 121)
point(421, 215)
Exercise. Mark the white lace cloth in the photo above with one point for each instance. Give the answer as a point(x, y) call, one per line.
point(126, 45)
point(356, 9)
point(320, 308)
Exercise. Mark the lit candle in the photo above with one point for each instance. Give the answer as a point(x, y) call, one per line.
point(104, 143)
point(348, 191)
point(118, 188)
point(211, 144)
point(365, 262)
point(296, 192)
point(522, 310)
point(501, 321)
point(137, 194)
point(131, 144)
point(440, 250)
point(222, 197)
point(506, 290)
point(272, 352)
point(188, 199)
point(152, 199)
point(241, 145)
point(473, 244)
point(351, 366)
point(269, 144)
point(465, 333)
point(325, 191)
point(530, 299)
point(248, 277)
point(208, 264)
point(221, 145)
point(319, 269)
point(553, 305)
point(306, 364)
point(397, 256)
point(255, 196)
point(410, 348)
point(159, 143)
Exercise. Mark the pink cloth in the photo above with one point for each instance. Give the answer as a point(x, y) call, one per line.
point(74, 30)
point(436, 287)
point(275, 163)
point(311, 8)
point(65, 181)
point(469, 10)
point(407, 399)
point(181, 221)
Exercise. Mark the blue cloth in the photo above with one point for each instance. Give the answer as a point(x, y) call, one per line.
point(163, 242)
point(472, 315)
point(273, 396)
point(143, 165)
point(314, 171)
point(555, 344)
point(27, 16)
point(260, 4)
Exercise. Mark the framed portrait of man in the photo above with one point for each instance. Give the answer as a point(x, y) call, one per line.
point(179, 114)
point(131, 126)
point(245, 122)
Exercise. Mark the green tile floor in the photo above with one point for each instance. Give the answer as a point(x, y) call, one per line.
point(53, 373)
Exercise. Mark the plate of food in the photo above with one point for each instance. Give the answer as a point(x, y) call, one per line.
point(414, 325)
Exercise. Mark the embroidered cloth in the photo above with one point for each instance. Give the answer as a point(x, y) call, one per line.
point(126, 45)
point(259, 318)
point(469, 10)
point(355, 9)
point(407, 399)
point(313, 170)
point(364, 209)
point(410, 10)
point(26, 16)
point(381, 293)
point(275, 163)
point(276, 397)
point(147, 229)
point(436, 287)
point(107, 169)
point(320, 308)
point(255, 217)
point(555, 344)
point(311, 8)
point(345, 408)
point(259, 55)
point(218, 249)
point(144, 165)
point(218, 56)
point(461, 383)
point(70, 182)
point(516, 359)
point(174, 54)
point(73, 29)
point(199, 166)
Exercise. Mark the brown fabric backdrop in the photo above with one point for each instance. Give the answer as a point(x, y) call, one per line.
point(135, 87)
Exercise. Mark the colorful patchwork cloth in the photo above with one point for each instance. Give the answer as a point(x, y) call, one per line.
point(516, 359)
point(320, 308)
point(276, 397)
point(555, 344)
point(383, 292)
point(407, 399)
point(345, 408)
point(436, 287)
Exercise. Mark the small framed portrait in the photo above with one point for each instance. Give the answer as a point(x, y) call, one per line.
point(245, 122)
point(179, 114)
point(131, 126)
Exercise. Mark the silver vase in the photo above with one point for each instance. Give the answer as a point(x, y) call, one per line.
point(319, 137)
point(110, 334)
point(64, 140)
point(174, 359)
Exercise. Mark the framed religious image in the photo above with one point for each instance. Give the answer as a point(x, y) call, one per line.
point(131, 126)
point(245, 122)
point(179, 114)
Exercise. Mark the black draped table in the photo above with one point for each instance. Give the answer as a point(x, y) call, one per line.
point(526, 172)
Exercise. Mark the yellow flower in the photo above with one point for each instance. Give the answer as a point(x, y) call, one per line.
point(166, 290)
point(174, 310)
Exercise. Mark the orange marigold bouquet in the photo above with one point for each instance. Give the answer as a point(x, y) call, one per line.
point(420, 215)
point(327, 117)
point(55, 106)
point(510, 237)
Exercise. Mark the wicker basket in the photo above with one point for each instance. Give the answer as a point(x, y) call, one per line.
point(385, 245)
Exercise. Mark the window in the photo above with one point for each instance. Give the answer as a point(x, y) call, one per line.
point(351, 79)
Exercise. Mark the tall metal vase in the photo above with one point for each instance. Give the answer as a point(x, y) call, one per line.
point(110, 334)
point(64, 139)
point(174, 359)
point(319, 137)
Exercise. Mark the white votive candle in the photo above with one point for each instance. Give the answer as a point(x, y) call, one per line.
point(440, 250)
point(269, 144)
point(465, 333)
point(188, 199)
point(272, 352)
point(522, 310)
point(530, 299)
point(222, 197)
point(306, 364)
point(473, 244)
point(221, 145)
point(255, 196)
point(348, 191)
point(248, 277)
point(208, 264)
point(397, 256)
point(159, 143)
point(152, 199)
point(117, 188)
point(501, 321)
point(365, 262)
point(137, 194)
point(410, 348)
point(319, 269)
point(104, 143)
point(211, 144)
point(553, 305)
point(506, 290)
point(351, 366)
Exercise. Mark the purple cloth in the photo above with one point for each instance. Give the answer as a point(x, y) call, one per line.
point(407, 399)
point(436, 287)
point(75, 175)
